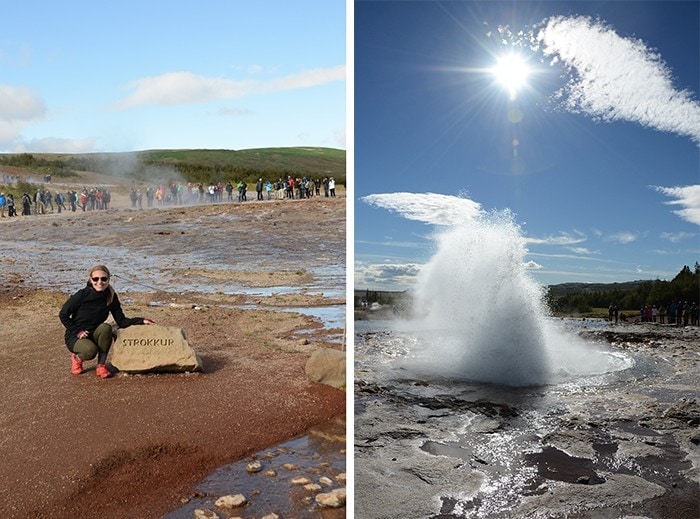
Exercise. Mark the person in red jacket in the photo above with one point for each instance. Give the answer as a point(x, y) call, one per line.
point(84, 315)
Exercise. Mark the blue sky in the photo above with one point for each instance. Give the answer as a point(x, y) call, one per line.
point(596, 154)
point(81, 76)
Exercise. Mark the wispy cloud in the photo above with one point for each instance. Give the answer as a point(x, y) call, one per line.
point(226, 111)
point(180, 88)
point(675, 237)
point(583, 250)
point(623, 237)
point(688, 197)
point(429, 208)
point(617, 78)
point(563, 239)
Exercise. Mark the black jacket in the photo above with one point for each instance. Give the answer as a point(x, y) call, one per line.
point(87, 309)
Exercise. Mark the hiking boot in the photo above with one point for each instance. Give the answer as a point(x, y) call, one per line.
point(76, 364)
point(102, 371)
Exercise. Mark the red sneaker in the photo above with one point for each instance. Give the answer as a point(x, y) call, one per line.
point(102, 371)
point(76, 364)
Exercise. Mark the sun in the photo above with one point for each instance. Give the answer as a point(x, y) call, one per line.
point(511, 71)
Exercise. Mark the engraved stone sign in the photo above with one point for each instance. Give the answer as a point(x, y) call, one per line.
point(153, 348)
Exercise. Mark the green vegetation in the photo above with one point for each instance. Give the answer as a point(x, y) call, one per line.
point(590, 299)
point(196, 166)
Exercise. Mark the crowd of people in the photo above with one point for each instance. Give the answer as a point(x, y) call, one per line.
point(678, 313)
point(43, 201)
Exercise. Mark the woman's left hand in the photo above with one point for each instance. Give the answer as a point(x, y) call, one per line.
point(148, 321)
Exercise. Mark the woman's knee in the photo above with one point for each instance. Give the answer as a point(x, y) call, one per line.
point(85, 349)
point(103, 337)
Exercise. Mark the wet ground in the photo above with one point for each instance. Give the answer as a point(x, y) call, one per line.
point(622, 444)
point(317, 458)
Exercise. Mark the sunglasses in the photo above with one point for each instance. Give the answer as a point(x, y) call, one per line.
point(103, 279)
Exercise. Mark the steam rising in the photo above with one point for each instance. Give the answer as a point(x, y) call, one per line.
point(479, 316)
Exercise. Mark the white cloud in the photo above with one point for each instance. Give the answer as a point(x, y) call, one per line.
point(20, 104)
point(563, 239)
point(178, 88)
point(19, 107)
point(623, 237)
point(429, 208)
point(675, 237)
point(227, 111)
point(618, 78)
point(532, 265)
point(390, 276)
point(583, 250)
point(58, 145)
point(688, 197)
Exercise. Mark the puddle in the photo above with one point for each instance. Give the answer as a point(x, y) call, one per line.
point(319, 457)
point(556, 465)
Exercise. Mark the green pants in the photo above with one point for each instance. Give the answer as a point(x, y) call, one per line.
point(99, 341)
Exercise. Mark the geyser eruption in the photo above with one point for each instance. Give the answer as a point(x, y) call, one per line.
point(479, 315)
point(486, 313)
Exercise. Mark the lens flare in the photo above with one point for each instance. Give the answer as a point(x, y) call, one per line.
point(511, 72)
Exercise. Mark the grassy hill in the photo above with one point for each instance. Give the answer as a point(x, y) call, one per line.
point(193, 165)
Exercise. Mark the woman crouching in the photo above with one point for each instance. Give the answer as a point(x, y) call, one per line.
point(84, 315)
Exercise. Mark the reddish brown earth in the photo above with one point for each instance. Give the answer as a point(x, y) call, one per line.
point(136, 446)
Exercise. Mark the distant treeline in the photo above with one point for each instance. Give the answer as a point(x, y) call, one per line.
point(205, 166)
point(684, 287)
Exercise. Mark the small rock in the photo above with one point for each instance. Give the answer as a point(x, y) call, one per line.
point(301, 480)
point(290, 466)
point(313, 487)
point(231, 501)
point(333, 499)
point(253, 467)
point(583, 480)
point(271, 516)
point(341, 478)
point(326, 481)
point(204, 514)
point(270, 473)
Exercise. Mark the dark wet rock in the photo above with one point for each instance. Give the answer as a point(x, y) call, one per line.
point(618, 490)
point(686, 411)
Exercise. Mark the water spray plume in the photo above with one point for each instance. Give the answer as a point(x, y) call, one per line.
point(478, 315)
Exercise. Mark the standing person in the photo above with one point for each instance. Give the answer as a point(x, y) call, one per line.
point(662, 314)
point(3, 203)
point(11, 205)
point(325, 186)
point(259, 188)
point(84, 314)
point(331, 186)
point(26, 205)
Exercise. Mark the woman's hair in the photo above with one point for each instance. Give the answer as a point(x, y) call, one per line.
point(110, 290)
